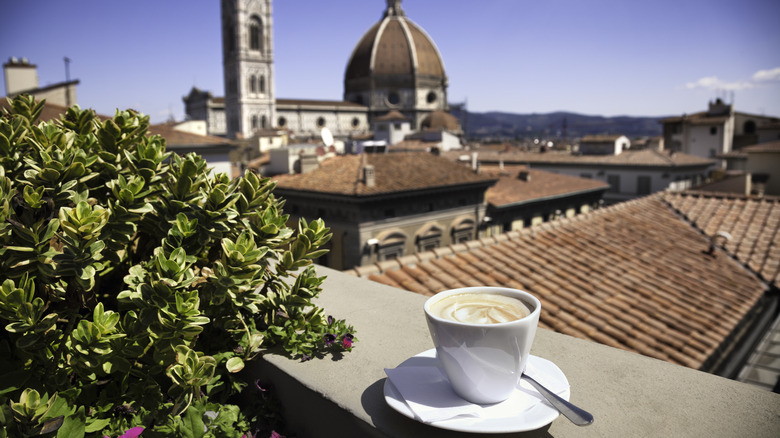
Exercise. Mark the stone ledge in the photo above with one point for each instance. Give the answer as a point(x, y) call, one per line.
point(629, 394)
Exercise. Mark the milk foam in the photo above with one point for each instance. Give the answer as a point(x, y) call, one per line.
point(480, 308)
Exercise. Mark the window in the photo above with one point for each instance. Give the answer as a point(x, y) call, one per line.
point(253, 84)
point(393, 98)
point(262, 84)
point(282, 122)
point(254, 122)
point(264, 122)
point(429, 238)
point(463, 231)
point(431, 97)
point(255, 33)
point(355, 122)
point(614, 183)
point(391, 246)
point(749, 127)
point(643, 185)
point(320, 122)
point(714, 130)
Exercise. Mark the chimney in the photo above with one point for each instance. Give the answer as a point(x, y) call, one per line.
point(308, 161)
point(524, 175)
point(20, 75)
point(367, 171)
point(369, 177)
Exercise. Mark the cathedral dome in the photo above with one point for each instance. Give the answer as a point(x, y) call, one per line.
point(441, 120)
point(396, 65)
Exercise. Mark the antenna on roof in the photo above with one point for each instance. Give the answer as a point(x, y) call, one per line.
point(67, 69)
point(720, 236)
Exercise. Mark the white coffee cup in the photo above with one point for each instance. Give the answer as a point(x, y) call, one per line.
point(484, 362)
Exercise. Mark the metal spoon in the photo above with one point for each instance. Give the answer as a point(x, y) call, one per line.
point(576, 415)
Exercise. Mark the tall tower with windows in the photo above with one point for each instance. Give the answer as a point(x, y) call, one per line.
point(247, 50)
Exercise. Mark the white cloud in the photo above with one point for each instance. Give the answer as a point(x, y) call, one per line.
point(713, 83)
point(767, 75)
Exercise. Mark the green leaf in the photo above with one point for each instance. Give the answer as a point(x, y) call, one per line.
point(192, 422)
point(96, 425)
point(74, 425)
point(234, 364)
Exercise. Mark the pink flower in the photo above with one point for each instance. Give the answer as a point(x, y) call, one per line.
point(347, 341)
point(133, 432)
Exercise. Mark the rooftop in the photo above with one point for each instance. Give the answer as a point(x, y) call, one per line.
point(771, 147)
point(511, 189)
point(644, 157)
point(635, 276)
point(396, 172)
point(753, 223)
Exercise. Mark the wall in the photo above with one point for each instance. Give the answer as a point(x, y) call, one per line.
point(766, 162)
point(629, 395)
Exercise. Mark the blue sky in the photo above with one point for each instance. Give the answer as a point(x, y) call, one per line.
point(599, 57)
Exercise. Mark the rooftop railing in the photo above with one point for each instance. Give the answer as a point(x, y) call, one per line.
point(630, 395)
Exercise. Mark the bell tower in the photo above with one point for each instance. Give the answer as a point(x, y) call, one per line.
point(248, 65)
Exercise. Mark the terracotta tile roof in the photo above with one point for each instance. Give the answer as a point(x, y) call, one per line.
point(510, 189)
point(753, 223)
point(391, 116)
point(643, 157)
point(772, 146)
point(175, 137)
point(633, 276)
point(599, 138)
point(394, 172)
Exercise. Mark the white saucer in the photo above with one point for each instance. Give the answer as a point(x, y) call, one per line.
point(533, 418)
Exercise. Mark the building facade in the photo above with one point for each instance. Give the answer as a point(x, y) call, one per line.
point(385, 206)
point(248, 64)
point(630, 175)
point(718, 130)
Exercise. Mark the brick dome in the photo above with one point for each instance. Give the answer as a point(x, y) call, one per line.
point(393, 53)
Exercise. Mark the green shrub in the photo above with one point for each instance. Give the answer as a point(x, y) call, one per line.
point(135, 284)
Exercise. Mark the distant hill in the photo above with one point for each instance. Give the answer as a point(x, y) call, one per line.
point(501, 125)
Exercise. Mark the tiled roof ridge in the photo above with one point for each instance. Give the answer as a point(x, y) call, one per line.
point(744, 264)
point(440, 253)
point(727, 195)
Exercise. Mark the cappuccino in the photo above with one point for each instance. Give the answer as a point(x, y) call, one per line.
point(480, 308)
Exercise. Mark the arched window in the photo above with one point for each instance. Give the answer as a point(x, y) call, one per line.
point(254, 122)
point(264, 122)
point(253, 84)
point(262, 84)
point(749, 127)
point(391, 245)
point(428, 238)
point(255, 33)
point(463, 231)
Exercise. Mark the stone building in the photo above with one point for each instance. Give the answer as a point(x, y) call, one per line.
point(384, 206)
point(718, 130)
point(395, 66)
